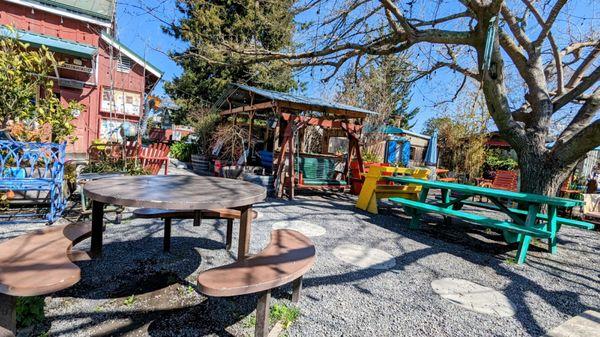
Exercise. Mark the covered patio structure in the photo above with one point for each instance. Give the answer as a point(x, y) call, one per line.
point(289, 114)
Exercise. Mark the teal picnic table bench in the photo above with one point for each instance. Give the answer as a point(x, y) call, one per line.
point(523, 225)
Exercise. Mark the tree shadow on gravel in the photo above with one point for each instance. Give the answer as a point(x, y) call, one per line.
point(478, 246)
point(155, 279)
point(139, 266)
point(212, 316)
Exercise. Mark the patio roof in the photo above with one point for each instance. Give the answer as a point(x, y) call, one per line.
point(245, 98)
point(53, 43)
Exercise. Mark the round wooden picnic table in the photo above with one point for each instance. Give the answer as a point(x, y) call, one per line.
point(177, 193)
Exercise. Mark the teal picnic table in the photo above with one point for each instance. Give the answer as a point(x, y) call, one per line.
point(524, 224)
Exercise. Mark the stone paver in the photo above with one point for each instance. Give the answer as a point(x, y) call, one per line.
point(584, 325)
point(474, 297)
point(364, 257)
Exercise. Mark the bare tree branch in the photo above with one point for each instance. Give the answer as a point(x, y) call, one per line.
point(555, 52)
point(579, 144)
point(583, 117)
point(587, 62)
point(421, 23)
point(584, 85)
point(550, 21)
point(516, 29)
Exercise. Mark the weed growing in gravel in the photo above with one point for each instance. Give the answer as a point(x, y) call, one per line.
point(285, 314)
point(250, 322)
point(510, 261)
point(129, 300)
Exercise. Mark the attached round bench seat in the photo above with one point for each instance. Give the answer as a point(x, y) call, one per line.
point(37, 263)
point(286, 259)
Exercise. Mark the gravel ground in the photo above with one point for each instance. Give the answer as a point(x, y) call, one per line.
point(338, 299)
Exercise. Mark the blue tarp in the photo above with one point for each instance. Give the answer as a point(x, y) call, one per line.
point(398, 151)
point(432, 150)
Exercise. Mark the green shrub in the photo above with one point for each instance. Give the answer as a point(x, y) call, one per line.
point(496, 160)
point(183, 151)
point(30, 311)
point(130, 167)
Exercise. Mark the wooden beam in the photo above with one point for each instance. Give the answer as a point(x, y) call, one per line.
point(324, 123)
point(248, 108)
point(311, 107)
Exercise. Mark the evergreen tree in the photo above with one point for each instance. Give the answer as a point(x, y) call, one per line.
point(383, 86)
point(207, 24)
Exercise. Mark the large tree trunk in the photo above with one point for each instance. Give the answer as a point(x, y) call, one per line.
point(540, 174)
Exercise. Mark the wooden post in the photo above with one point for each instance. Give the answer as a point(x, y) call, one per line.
point(291, 168)
point(280, 161)
point(8, 314)
point(262, 314)
point(250, 121)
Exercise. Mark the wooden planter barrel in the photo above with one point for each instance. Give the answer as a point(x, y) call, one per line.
point(200, 164)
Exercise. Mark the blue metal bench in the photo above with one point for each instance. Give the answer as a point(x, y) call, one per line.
point(34, 167)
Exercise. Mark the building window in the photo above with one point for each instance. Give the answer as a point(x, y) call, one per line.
point(413, 151)
point(124, 64)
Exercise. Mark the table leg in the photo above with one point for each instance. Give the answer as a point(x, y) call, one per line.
point(526, 239)
point(245, 231)
point(446, 200)
point(552, 227)
point(167, 236)
point(416, 216)
point(97, 228)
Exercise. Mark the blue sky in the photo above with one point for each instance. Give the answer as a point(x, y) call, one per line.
point(141, 31)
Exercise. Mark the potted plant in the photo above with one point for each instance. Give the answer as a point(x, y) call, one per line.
point(230, 148)
point(204, 125)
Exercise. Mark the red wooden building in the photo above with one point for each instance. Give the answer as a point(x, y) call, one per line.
point(109, 79)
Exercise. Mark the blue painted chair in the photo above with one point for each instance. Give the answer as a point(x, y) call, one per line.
point(28, 167)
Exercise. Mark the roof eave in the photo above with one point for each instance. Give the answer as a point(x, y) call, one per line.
point(132, 55)
point(64, 12)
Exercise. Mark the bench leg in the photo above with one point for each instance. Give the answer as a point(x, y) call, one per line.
point(167, 236)
point(297, 287)
point(8, 313)
point(197, 218)
point(262, 314)
point(228, 234)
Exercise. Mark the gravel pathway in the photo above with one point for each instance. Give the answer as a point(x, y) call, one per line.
point(339, 298)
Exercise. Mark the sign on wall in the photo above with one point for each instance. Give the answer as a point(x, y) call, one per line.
point(114, 129)
point(121, 102)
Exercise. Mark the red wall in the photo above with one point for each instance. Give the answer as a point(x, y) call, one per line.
point(88, 123)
